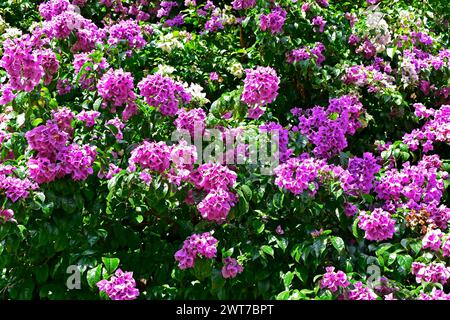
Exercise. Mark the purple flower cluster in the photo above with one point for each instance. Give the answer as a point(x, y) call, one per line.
point(117, 88)
point(359, 292)
point(165, 8)
point(273, 21)
point(54, 159)
point(231, 268)
point(375, 77)
point(16, 188)
point(243, 4)
point(334, 280)
point(283, 139)
point(197, 245)
point(216, 179)
point(23, 63)
point(214, 24)
point(63, 87)
point(191, 120)
point(152, 155)
point(307, 53)
point(378, 225)
point(127, 31)
point(216, 205)
point(416, 187)
point(319, 22)
point(436, 240)
point(63, 118)
point(47, 140)
point(299, 174)
point(327, 128)
point(49, 63)
point(432, 240)
point(77, 161)
point(435, 294)
point(121, 286)
point(52, 8)
point(436, 128)
point(6, 215)
point(362, 171)
point(176, 21)
point(70, 22)
point(210, 176)
point(118, 125)
point(260, 88)
point(183, 156)
point(88, 117)
point(83, 63)
point(367, 49)
point(163, 93)
point(434, 272)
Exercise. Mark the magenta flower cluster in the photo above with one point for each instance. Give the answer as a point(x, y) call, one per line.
point(26, 65)
point(54, 159)
point(217, 180)
point(128, 32)
point(231, 268)
point(416, 187)
point(360, 292)
point(334, 280)
point(243, 4)
point(191, 120)
point(362, 171)
point(150, 155)
point(435, 129)
point(210, 176)
point(15, 188)
point(273, 21)
point(327, 128)
point(116, 87)
point(300, 174)
point(283, 139)
point(435, 294)
point(163, 93)
point(6, 215)
point(121, 286)
point(52, 8)
point(260, 88)
point(378, 225)
point(196, 246)
point(307, 53)
point(433, 272)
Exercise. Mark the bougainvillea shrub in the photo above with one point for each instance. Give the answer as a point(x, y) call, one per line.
point(224, 149)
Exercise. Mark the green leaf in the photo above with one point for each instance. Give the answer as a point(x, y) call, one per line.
point(338, 243)
point(287, 278)
point(416, 246)
point(111, 264)
point(37, 122)
point(355, 229)
point(267, 249)
point(405, 261)
point(283, 295)
point(319, 247)
point(94, 275)
point(247, 192)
